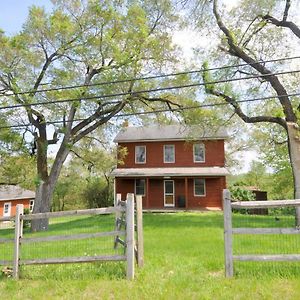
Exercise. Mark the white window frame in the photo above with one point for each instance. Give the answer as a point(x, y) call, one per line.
point(31, 205)
point(194, 152)
point(204, 189)
point(168, 194)
point(135, 185)
point(136, 152)
point(8, 213)
point(173, 147)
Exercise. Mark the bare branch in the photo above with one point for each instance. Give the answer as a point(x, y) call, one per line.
point(286, 10)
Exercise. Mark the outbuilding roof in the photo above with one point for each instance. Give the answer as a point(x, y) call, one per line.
point(170, 172)
point(14, 192)
point(169, 133)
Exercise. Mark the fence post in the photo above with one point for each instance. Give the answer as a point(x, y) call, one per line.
point(130, 236)
point(18, 235)
point(227, 233)
point(140, 234)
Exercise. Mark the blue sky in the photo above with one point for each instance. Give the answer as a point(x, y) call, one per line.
point(13, 13)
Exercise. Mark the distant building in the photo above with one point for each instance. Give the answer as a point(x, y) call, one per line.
point(172, 166)
point(11, 195)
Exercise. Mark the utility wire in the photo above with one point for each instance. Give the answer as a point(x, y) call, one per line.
point(159, 110)
point(150, 77)
point(133, 93)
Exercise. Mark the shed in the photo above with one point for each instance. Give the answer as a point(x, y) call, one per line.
point(11, 195)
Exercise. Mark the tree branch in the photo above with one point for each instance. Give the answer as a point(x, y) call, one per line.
point(237, 51)
point(243, 116)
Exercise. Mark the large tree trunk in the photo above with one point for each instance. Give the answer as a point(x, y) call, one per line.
point(42, 204)
point(44, 191)
point(294, 151)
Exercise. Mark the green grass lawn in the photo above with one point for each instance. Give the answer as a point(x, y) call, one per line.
point(183, 260)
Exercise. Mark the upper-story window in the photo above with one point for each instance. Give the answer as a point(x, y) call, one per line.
point(199, 152)
point(140, 154)
point(169, 153)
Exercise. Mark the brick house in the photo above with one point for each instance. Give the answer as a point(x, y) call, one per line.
point(11, 195)
point(172, 166)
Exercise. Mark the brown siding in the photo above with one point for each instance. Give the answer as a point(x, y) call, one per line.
point(13, 205)
point(214, 154)
point(213, 197)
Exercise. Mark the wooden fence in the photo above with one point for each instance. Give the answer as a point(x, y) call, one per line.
point(124, 217)
point(229, 231)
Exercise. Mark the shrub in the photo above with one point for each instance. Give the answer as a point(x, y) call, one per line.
point(98, 193)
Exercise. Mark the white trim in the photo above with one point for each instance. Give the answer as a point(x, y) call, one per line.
point(165, 204)
point(144, 187)
point(9, 209)
point(135, 152)
point(195, 187)
point(169, 162)
point(202, 145)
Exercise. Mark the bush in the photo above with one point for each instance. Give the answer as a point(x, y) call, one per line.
point(240, 194)
point(26, 223)
point(98, 193)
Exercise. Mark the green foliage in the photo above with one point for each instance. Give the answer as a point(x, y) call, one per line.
point(98, 193)
point(207, 77)
point(239, 193)
point(26, 223)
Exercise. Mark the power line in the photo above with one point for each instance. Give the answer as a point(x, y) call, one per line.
point(148, 90)
point(150, 77)
point(160, 110)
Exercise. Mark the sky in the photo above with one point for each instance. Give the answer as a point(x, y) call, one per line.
point(13, 13)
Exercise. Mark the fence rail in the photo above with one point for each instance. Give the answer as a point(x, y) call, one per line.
point(228, 205)
point(133, 247)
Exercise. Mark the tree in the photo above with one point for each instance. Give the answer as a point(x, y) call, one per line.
point(80, 42)
point(257, 36)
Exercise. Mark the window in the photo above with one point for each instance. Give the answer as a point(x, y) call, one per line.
point(31, 204)
point(199, 187)
point(199, 153)
point(6, 209)
point(140, 154)
point(169, 153)
point(140, 187)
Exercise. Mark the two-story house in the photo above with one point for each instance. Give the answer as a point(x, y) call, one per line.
point(172, 166)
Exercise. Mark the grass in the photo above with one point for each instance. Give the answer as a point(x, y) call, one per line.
point(183, 260)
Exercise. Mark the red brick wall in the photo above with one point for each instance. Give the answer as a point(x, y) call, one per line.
point(13, 205)
point(213, 197)
point(214, 154)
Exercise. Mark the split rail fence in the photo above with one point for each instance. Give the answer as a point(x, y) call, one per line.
point(229, 231)
point(124, 228)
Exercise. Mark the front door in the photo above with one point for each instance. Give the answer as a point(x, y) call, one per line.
point(7, 209)
point(169, 193)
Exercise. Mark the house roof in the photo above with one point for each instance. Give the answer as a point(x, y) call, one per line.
point(169, 133)
point(170, 172)
point(14, 192)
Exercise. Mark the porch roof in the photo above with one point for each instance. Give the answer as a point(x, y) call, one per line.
point(170, 172)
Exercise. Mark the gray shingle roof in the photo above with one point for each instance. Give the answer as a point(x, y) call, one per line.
point(14, 192)
point(169, 132)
